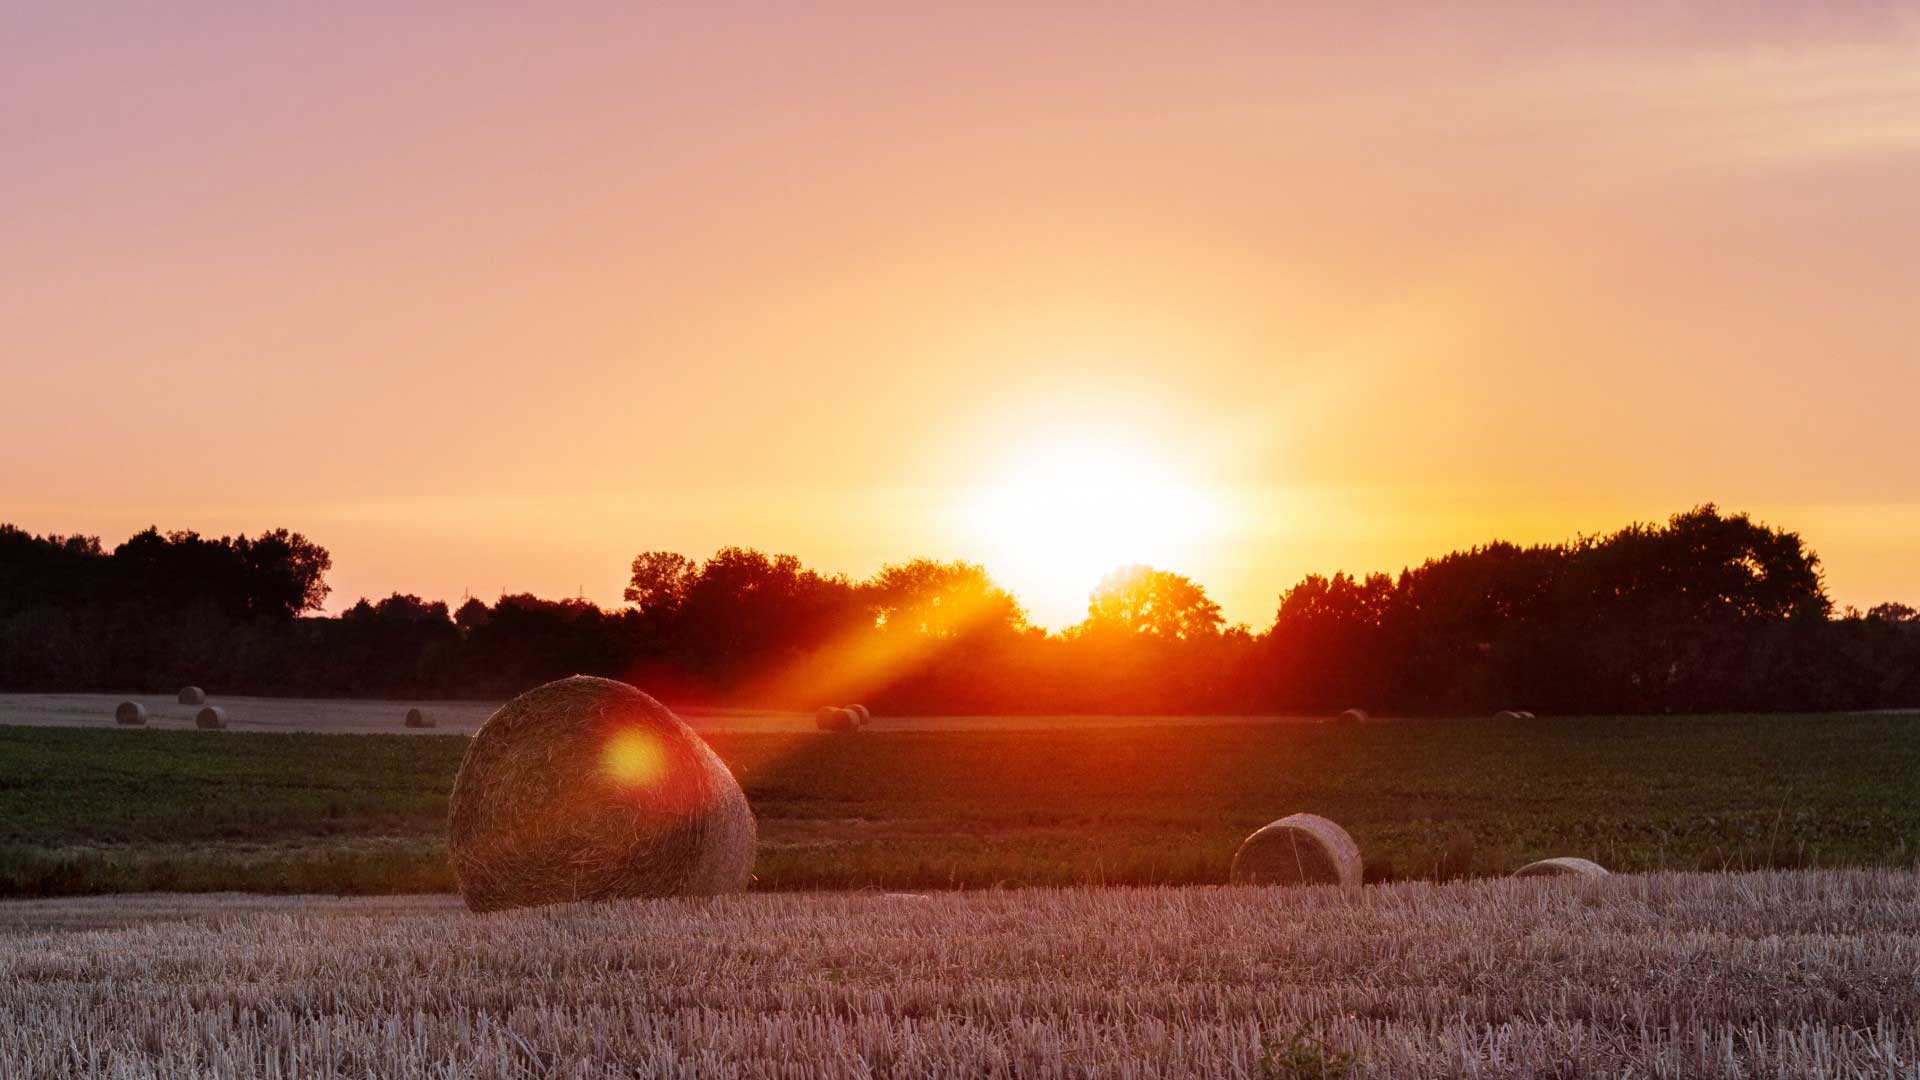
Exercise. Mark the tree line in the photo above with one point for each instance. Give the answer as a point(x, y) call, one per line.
point(1706, 612)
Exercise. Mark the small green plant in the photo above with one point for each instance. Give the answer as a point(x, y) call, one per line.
point(1304, 1056)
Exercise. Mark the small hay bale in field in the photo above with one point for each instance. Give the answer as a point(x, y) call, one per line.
point(129, 712)
point(211, 717)
point(865, 714)
point(1506, 714)
point(834, 718)
point(192, 695)
point(1564, 866)
point(1354, 716)
point(416, 718)
point(1523, 714)
point(1301, 849)
point(588, 789)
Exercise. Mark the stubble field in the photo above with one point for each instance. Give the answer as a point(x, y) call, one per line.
point(1802, 973)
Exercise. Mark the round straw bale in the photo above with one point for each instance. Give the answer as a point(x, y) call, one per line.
point(1301, 849)
point(587, 789)
point(129, 712)
point(1354, 716)
point(834, 718)
point(1526, 715)
point(1506, 714)
point(865, 714)
point(416, 718)
point(211, 717)
point(1565, 866)
point(192, 695)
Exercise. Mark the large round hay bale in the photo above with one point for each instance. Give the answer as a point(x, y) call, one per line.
point(586, 789)
point(835, 718)
point(129, 712)
point(864, 714)
point(1301, 849)
point(211, 717)
point(1564, 866)
point(192, 695)
point(1354, 716)
point(416, 718)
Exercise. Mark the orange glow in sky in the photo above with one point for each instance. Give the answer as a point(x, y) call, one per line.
point(487, 300)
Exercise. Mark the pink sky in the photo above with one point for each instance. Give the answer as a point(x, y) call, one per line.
point(486, 300)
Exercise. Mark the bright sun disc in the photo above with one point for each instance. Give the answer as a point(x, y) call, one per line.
point(1067, 513)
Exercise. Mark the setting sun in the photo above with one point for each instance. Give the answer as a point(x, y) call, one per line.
point(1061, 514)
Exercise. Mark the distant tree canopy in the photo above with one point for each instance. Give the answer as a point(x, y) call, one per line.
point(1707, 611)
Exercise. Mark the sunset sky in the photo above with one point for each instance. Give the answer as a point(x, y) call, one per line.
point(487, 300)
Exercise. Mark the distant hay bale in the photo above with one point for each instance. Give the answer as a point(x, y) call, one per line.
point(1354, 716)
point(416, 718)
point(1301, 849)
point(1564, 866)
point(192, 695)
point(1506, 714)
point(1523, 714)
point(129, 712)
point(835, 718)
point(588, 789)
point(865, 714)
point(212, 717)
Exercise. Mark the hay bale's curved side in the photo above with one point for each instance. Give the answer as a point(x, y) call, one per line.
point(1354, 716)
point(1564, 866)
point(588, 789)
point(850, 719)
point(1300, 849)
point(417, 718)
point(1506, 714)
point(129, 712)
point(865, 714)
point(212, 717)
point(834, 718)
point(1525, 714)
point(192, 695)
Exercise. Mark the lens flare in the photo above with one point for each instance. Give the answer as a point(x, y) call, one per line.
point(634, 759)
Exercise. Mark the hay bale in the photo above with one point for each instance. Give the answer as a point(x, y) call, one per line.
point(192, 695)
point(1564, 866)
point(835, 718)
point(1506, 714)
point(1523, 714)
point(1354, 716)
point(863, 713)
point(212, 717)
point(416, 718)
point(129, 712)
point(1301, 849)
point(587, 789)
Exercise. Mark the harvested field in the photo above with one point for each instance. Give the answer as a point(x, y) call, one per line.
point(1777, 974)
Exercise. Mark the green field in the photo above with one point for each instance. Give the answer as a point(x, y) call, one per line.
point(84, 811)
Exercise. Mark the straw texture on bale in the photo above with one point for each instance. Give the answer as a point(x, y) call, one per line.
point(129, 712)
point(192, 695)
point(588, 789)
point(1353, 716)
point(834, 718)
point(1301, 849)
point(1565, 866)
point(416, 718)
point(211, 716)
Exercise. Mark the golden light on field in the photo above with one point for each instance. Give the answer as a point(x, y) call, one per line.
point(634, 759)
point(1063, 512)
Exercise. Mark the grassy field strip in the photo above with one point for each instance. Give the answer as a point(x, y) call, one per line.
point(1779, 974)
point(90, 811)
